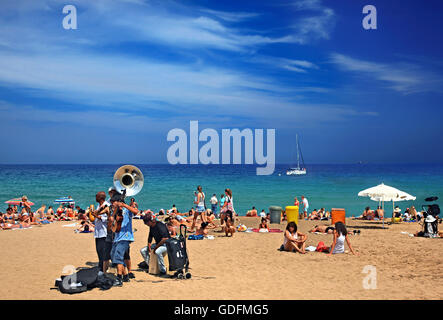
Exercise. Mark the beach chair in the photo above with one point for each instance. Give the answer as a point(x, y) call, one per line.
point(338, 214)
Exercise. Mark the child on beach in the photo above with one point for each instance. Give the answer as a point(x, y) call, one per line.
point(338, 243)
point(229, 221)
point(294, 240)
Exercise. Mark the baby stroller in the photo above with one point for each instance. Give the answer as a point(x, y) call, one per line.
point(178, 255)
point(431, 219)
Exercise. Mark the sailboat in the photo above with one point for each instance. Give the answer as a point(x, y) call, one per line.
point(298, 171)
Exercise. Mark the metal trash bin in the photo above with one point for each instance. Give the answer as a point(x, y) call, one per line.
point(275, 213)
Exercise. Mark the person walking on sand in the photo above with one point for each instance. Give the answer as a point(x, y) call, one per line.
point(201, 207)
point(305, 207)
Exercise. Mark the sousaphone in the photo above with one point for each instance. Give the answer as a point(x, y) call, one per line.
point(128, 181)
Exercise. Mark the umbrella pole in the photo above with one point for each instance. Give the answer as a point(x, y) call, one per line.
point(383, 208)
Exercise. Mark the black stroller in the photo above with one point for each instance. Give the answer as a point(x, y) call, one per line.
point(430, 219)
point(178, 255)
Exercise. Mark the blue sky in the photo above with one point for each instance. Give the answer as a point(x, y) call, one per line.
point(110, 91)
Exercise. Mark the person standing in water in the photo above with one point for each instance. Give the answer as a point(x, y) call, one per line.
point(214, 202)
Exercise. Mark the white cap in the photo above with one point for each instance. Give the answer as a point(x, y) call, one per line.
point(112, 189)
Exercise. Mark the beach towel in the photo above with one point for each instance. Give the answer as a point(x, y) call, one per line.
point(196, 237)
point(270, 230)
point(70, 225)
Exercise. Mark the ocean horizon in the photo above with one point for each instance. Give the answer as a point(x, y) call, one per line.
point(325, 185)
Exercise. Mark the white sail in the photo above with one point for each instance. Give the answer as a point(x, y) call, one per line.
point(298, 170)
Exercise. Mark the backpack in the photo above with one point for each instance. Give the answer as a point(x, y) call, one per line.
point(78, 282)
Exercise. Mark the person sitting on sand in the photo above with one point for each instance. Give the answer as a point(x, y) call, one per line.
point(60, 212)
point(203, 230)
point(379, 213)
point(412, 213)
point(338, 242)
point(294, 240)
point(367, 214)
point(314, 215)
point(397, 212)
point(229, 221)
point(50, 214)
point(326, 215)
point(171, 228)
point(323, 229)
point(252, 212)
point(264, 224)
point(210, 215)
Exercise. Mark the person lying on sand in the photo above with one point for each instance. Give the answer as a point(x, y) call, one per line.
point(85, 227)
point(323, 229)
point(338, 242)
point(294, 240)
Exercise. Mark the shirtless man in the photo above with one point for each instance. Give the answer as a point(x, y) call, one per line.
point(40, 214)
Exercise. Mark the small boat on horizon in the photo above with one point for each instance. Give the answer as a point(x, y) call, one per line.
point(298, 171)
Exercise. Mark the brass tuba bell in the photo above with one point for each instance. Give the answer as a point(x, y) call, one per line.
point(129, 178)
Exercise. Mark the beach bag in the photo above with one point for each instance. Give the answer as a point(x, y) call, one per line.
point(78, 282)
point(321, 247)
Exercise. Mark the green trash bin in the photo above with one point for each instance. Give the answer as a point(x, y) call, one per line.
point(275, 213)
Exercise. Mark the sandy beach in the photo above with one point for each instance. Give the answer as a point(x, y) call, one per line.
point(247, 266)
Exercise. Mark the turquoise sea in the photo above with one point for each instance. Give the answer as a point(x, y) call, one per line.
point(326, 186)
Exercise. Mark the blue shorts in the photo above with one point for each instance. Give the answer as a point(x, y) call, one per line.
point(305, 209)
point(118, 251)
point(200, 209)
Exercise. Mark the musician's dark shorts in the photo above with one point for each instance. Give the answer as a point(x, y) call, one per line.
point(108, 249)
point(118, 251)
point(127, 257)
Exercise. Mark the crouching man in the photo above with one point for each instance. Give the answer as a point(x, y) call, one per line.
point(160, 233)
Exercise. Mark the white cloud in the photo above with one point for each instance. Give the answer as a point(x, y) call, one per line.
point(231, 16)
point(403, 77)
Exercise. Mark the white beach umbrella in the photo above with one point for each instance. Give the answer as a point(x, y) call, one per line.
point(384, 193)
